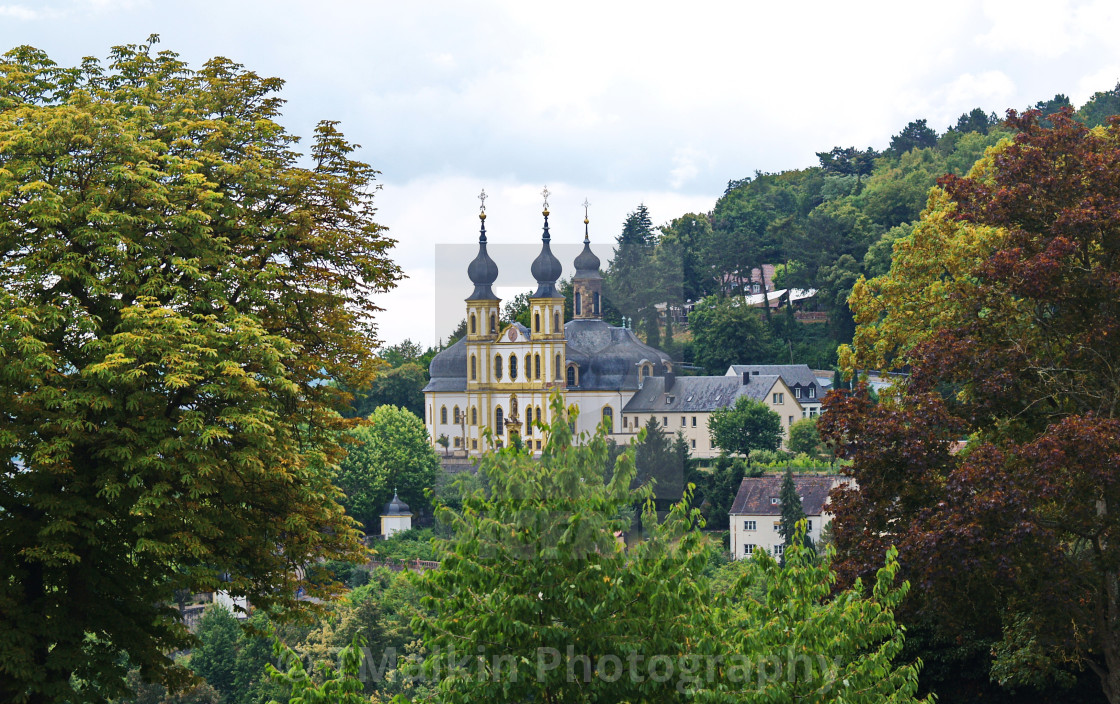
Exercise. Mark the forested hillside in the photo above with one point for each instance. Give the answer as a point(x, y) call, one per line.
point(823, 227)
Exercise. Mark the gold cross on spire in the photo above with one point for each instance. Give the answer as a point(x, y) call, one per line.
point(585, 205)
point(546, 194)
point(482, 197)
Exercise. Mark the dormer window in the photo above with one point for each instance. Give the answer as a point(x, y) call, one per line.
point(773, 500)
point(797, 392)
point(670, 399)
point(812, 392)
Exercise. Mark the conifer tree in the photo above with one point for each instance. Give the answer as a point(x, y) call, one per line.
point(792, 512)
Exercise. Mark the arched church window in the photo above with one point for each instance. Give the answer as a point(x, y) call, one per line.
point(499, 422)
point(528, 420)
point(538, 414)
point(493, 323)
point(513, 367)
point(473, 325)
point(536, 322)
point(456, 415)
point(498, 367)
point(537, 367)
point(474, 368)
point(474, 416)
point(528, 366)
point(579, 303)
point(443, 415)
point(595, 303)
point(608, 418)
point(556, 327)
point(556, 369)
point(572, 378)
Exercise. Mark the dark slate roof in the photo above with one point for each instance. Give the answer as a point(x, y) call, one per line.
point(608, 356)
point(793, 374)
point(587, 264)
point(755, 495)
point(698, 394)
point(482, 271)
point(396, 507)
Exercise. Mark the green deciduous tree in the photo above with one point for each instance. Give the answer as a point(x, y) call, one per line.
point(179, 286)
point(804, 438)
point(726, 331)
point(390, 453)
point(534, 579)
point(745, 426)
point(213, 658)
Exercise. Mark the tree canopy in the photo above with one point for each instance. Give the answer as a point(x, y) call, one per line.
point(178, 289)
point(1018, 285)
point(747, 425)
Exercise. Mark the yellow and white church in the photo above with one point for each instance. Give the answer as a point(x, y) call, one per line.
point(500, 377)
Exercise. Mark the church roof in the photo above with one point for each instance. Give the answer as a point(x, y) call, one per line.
point(396, 507)
point(697, 394)
point(482, 270)
point(607, 356)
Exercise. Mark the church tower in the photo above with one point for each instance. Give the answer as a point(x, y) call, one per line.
point(482, 309)
point(546, 317)
point(587, 284)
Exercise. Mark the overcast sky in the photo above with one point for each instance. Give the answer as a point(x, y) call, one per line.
point(619, 103)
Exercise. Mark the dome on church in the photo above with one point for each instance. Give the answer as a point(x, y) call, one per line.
point(482, 270)
point(608, 357)
point(396, 507)
point(587, 264)
point(546, 267)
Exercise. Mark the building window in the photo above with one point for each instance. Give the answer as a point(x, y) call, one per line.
point(474, 444)
point(791, 420)
point(578, 304)
point(572, 378)
point(528, 367)
point(528, 423)
point(474, 328)
point(809, 526)
point(693, 421)
point(474, 416)
point(812, 392)
point(664, 421)
point(608, 418)
point(750, 525)
point(556, 327)
point(773, 500)
point(797, 392)
point(556, 368)
point(748, 549)
point(595, 303)
point(537, 366)
point(512, 367)
point(538, 444)
point(779, 550)
point(536, 322)
point(694, 444)
point(498, 367)
point(779, 399)
point(456, 415)
point(683, 419)
point(499, 422)
point(493, 323)
point(458, 441)
point(538, 414)
point(443, 415)
point(474, 368)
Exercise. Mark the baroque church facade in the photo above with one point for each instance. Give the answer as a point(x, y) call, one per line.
point(499, 377)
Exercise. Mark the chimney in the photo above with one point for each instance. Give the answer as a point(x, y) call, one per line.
point(746, 378)
point(670, 379)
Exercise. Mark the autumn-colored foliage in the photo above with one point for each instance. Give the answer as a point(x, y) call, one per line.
point(1019, 355)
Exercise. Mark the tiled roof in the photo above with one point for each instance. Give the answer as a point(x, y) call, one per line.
point(699, 394)
point(793, 374)
point(756, 494)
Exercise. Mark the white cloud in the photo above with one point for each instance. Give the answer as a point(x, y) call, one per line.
point(22, 12)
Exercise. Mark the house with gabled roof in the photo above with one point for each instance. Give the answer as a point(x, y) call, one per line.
point(801, 380)
point(686, 404)
point(757, 510)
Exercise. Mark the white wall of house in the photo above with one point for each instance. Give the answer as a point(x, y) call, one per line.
point(760, 532)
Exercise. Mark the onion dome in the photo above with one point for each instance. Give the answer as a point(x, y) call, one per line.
point(482, 270)
point(546, 267)
point(396, 507)
point(587, 264)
